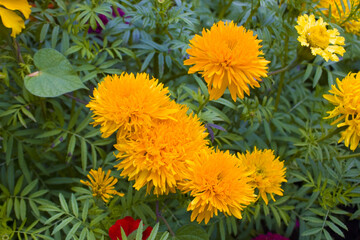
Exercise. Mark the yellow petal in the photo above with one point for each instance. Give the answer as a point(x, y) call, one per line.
point(21, 5)
point(11, 20)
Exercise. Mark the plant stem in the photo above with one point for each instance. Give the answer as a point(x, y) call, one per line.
point(224, 9)
point(75, 98)
point(288, 67)
point(282, 76)
point(18, 52)
point(350, 15)
point(202, 105)
point(159, 216)
point(332, 133)
point(253, 9)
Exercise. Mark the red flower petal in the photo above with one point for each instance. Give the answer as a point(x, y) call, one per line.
point(146, 233)
point(127, 223)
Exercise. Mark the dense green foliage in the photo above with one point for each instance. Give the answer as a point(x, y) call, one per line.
point(47, 144)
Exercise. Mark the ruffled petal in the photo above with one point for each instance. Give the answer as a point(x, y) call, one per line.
point(11, 20)
point(21, 5)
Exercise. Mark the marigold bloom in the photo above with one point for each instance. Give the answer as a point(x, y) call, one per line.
point(227, 56)
point(157, 156)
point(218, 184)
point(10, 19)
point(101, 185)
point(314, 34)
point(267, 172)
point(352, 25)
point(129, 102)
point(346, 99)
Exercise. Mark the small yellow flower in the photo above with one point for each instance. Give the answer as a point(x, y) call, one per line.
point(101, 185)
point(267, 172)
point(157, 156)
point(352, 25)
point(314, 34)
point(218, 184)
point(346, 99)
point(128, 102)
point(10, 19)
point(227, 56)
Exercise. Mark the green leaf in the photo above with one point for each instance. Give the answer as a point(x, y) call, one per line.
point(147, 61)
point(335, 228)
point(85, 210)
point(54, 77)
point(62, 224)
point(49, 133)
point(22, 209)
point(317, 75)
point(307, 72)
point(338, 222)
point(18, 185)
point(191, 232)
point(63, 203)
point(83, 153)
point(29, 188)
point(154, 232)
point(312, 231)
point(74, 205)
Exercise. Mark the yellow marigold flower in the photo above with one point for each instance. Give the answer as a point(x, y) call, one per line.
point(10, 19)
point(227, 56)
point(351, 26)
point(314, 34)
point(218, 184)
point(351, 135)
point(157, 156)
point(267, 172)
point(101, 185)
point(346, 99)
point(129, 102)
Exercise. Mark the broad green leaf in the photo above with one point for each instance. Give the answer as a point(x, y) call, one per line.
point(54, 77)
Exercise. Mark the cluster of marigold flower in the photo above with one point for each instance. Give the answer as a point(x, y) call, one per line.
point(163, 148)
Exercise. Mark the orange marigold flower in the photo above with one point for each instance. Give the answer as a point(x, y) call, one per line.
point(346, 99)
point(227, 56)
point(340, 13)
point(101, 185)
point(157, 156)
point(267, 172)
point(218, 184)
point(128, 102)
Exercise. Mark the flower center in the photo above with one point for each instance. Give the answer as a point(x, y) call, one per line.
point(318, 36)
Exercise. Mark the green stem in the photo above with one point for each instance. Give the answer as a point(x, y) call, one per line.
point(350, 15)
point(288, 67)
point(282, 76)
point(332, 133)
point(253, 10)
point(202, 105)
point(224, 9)
point(159, 216)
